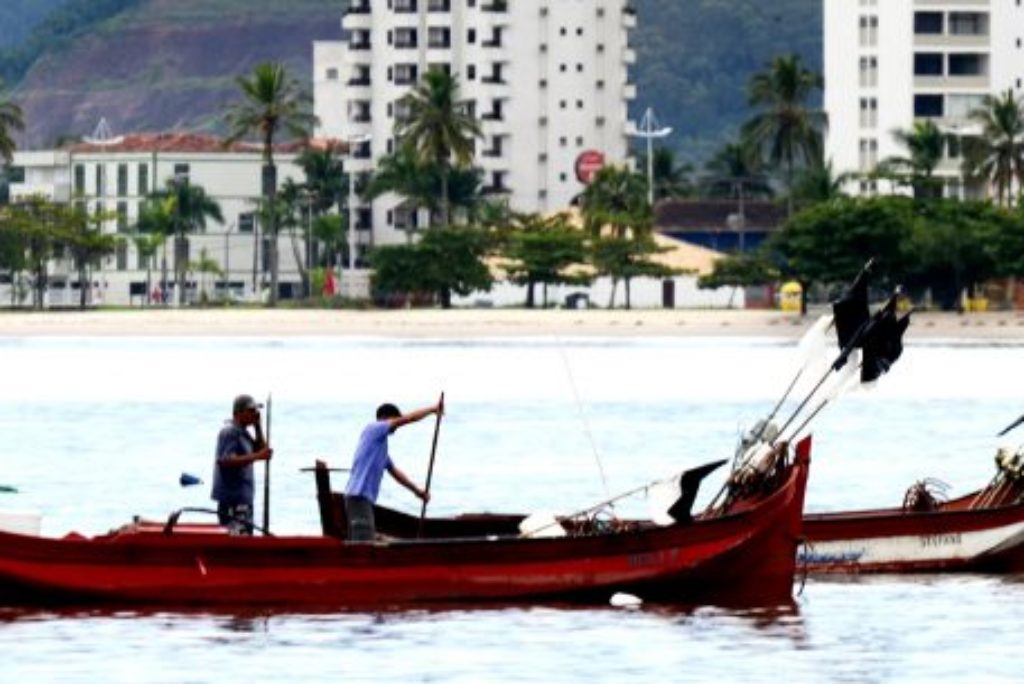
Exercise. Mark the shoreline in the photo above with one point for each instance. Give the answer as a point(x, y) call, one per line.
point(474, 323)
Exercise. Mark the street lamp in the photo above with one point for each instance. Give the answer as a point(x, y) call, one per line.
point(353, 140)
point(649, 130)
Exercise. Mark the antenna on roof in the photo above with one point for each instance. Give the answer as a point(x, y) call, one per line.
point(103, 135)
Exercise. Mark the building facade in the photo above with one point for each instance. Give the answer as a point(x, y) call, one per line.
point(547, 79)
point(115, 176)
point(889, 63)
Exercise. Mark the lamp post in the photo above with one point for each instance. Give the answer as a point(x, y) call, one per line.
point(649, 130)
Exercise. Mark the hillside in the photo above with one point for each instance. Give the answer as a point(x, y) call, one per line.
point(167, 64)
point(171, 63)
point(18, 17)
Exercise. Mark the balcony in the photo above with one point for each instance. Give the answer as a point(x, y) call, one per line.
point(494, 6)
point(439, 6)
point(405, 7)
point(358, 7)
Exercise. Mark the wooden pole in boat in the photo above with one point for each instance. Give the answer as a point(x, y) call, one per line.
point(266, 474)
point(430, 468)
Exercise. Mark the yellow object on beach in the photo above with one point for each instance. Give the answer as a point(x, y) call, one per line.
point(790, 295)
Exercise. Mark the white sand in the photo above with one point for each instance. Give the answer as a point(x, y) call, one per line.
point(472, 323)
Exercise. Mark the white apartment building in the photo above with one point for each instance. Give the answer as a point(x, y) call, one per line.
point(548, 80)
point(889, 63)
point(116, 175)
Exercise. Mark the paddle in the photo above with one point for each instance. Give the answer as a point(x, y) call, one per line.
point(430, 469)
point(7, 489)
point(266, 475)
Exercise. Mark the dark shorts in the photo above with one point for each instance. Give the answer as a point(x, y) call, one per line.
point(361, 525)
point(236, 517)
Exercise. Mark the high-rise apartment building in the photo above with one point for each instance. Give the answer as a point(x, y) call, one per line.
point(548, 80)
point(889, 63)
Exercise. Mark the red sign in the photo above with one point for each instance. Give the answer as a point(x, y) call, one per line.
point(588, 164)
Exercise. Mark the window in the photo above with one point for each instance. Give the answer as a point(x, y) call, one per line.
point(122, 180)
point(332, 74)
point(868, 31)
point(122, 217)
point(143, 179)
point(968, 64)
point(928, 64)
point(246, 222)
point(868, 154)
point(868, 72)
point(968, 24)
point(101, 180)
point(16, 174)
point(181, 172)
point(928, 106)
point(928, 23)
point(79, 179)
point(122, 256)
point(868, 112)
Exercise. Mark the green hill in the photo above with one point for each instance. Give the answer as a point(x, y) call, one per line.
point(18, 17)
point(159, 64)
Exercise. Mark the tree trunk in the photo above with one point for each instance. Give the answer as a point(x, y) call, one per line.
point(180, 269)
point(82, 292)
point(445, 209)
point(615, 286)
point(446, 298)
point(303, 270)
point(40, 284)
point(529, 294)
point(626, 284)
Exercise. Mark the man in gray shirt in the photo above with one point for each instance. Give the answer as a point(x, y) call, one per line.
point(237, 450)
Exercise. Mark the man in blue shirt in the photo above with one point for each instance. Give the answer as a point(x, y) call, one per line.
point(368, 466)
point(237, 450)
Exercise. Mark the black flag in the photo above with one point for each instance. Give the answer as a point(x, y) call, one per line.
point(883, 341)
point(851, 312)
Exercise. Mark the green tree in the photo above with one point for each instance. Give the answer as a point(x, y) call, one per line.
point(541, 250)
point(272, 103)
point(997, 156)
point(786, 129)
point(741, 270)
point(616, 213)
point(13, 247)
point(829, 243)
point(11, 119)
point(204, 266)
point(446, 261)
point(154, 225)
point(326, 184)
point(735, 171)
point(191, 208)
point(671, 178)
point(148, 245)
point(926, 144)
point(626, 258)
point(818, 184)
point(439, 127)
point(83, 237)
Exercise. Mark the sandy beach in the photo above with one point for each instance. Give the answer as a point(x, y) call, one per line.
point(473, 323)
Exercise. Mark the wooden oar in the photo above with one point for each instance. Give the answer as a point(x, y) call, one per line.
point(430, 469)
point(266, 475)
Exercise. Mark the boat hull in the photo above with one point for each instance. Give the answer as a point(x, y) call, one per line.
point(895, 541)
point(747, 558)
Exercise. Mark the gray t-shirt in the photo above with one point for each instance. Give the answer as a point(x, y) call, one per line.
point(233, 485)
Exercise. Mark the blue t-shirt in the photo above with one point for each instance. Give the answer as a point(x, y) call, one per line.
point(370, 461)
point(233, 485)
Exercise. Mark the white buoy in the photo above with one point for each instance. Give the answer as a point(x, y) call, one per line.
point(622, 600)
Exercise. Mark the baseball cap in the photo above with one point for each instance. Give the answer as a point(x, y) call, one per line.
point(243, 402)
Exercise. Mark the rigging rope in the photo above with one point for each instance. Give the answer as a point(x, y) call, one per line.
point(584, 419)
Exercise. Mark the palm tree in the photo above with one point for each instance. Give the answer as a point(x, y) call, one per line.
point(154, 225)
point(735, 172)
point(439, 127)
point(786, 131)
point(670, 179)
point(11, 119)
point(190, 208)
point(272, 103)
point(819, 184)
point(998, 154)
point(926, 144)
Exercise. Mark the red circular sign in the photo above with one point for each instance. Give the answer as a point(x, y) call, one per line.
point(588, 164)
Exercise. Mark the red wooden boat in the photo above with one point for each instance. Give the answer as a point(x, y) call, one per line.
point(980, 532)
point(742, 555)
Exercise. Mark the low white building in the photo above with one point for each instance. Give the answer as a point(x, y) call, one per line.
point(116, 175)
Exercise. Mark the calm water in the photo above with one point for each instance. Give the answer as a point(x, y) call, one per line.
point(98, 430)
